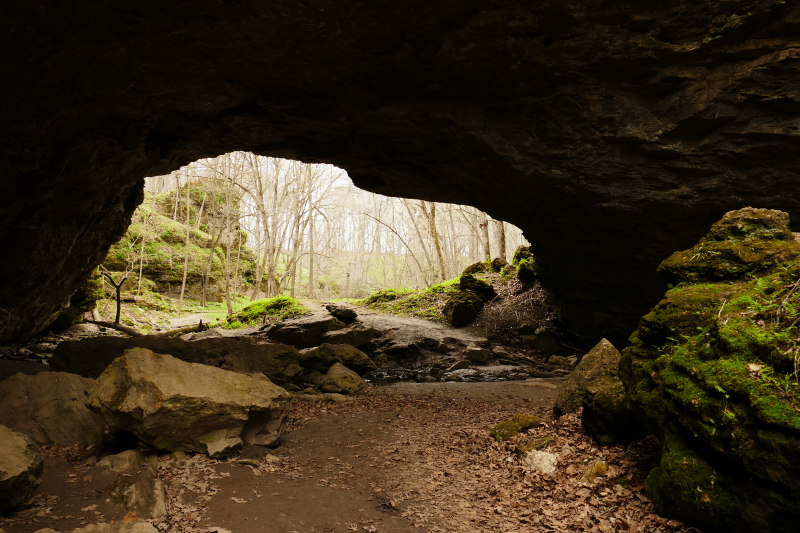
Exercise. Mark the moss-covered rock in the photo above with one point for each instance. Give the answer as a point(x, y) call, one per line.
point(711, 371)
point(526, 270)
point(608, 413)
point(475, 268)
point(469, 282)
point(511, 428)
point(462, 307)
point(522, 252)
point(498, 264)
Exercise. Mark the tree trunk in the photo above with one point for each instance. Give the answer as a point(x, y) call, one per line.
point(435, 236)
point(186, 254)
point(144, 238)
point(484, 227)
point(311, 257)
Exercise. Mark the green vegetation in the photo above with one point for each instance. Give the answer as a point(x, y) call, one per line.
point(715, 369)
point(424, 303)
point(266, 310)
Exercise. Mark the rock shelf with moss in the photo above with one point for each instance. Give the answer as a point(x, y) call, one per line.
point(712, 370)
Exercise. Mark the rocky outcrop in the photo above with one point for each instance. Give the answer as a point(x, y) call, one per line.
point(50, 408)
point(172, 405)
point(343, 312)
point(355, 334)
point(81, 302)
point(600, 360)
point(305, 331)
point(21, 467)
point(711, 371)
point(611, 133)
point(320, 359)
point(470, 283)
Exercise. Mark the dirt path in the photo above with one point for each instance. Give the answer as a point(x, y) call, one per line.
point(405, 457)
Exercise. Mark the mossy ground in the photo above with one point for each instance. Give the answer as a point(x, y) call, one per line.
point(424, 303)
point(266, 310)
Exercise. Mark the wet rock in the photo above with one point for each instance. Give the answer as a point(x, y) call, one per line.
point(498, 263)
point(459, 365)
point(50, 407)
point(729, 432)
point(602, 359)
point(305, 331)
point(474, 268)
point(21, 467)
point(462, 307)
point(172, 405)
point(608, 413)
point(341, 379)
point(542, 462)
point(544, 340)
point(511, 428)
point(566, 362)
point(470, 283)
point(477, 355)
point(141, 493)
point(345, 313)
point(356, 334)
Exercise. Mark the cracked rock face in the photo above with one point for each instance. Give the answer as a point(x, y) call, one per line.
point(613, 133)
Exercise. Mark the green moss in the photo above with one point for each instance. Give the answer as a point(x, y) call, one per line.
point(511, 428)
point(267, 310)
point(425, 303)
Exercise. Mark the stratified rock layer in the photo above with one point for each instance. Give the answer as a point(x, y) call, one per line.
point(612, 132)
point(177, 406)
point(711, 371)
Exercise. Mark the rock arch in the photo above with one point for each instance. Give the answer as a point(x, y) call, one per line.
point(612, 132)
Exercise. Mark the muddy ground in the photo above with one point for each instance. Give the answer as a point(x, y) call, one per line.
point(404, 457)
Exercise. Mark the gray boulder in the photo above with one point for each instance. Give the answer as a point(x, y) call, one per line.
point(172, 405)
point(343, 312)
point(21, 467)
point(305, 331)
point(321, 358)
point(602, 359)
point(50, 407)
point(278, 362)
point(356, 334)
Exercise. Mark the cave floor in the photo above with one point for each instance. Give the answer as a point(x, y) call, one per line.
point(397, 458)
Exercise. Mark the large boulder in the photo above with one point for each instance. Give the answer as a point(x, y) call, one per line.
point(21, 467)
point(602, 359)
point(521, 253)
point(355, 334)
point(305, 331)
point(50, 408)
point(608, 413)
point(341, 379)
point(711, 371)
point(323, 357)
point(172, 405)
point(344, 312)
point(526, 270)
point(472, 284)
point(8, 368)
point(462, 307)
point(474, 268)
point(498, 264)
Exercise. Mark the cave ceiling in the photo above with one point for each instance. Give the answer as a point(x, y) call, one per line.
point(613, 133)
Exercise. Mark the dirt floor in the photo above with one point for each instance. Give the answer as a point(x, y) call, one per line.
point(405, 457)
